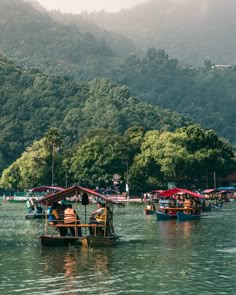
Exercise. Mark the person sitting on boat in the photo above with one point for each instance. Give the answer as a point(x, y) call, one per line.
point(179, 202)
point(70, 217)
point(161, 203)
point(54, 217)
point(172, 203)
point(187, 206)
point(98, 216)
point(149, 207)
point(29, 206)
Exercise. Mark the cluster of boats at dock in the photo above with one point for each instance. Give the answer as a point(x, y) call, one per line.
point(181, 204)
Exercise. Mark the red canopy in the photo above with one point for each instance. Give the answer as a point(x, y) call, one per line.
point(209, 190)
point(46, 188)
point(174, 191)
point(70, 192)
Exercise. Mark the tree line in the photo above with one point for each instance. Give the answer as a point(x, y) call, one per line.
point(147, 160)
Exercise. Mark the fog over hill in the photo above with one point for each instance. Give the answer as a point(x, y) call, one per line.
point(189, 30)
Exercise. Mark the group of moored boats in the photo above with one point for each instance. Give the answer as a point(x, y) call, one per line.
point(180, 204)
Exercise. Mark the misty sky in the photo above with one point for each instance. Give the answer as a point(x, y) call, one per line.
point(76, 6)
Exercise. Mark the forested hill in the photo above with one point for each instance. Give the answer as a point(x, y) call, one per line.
point(32, 102)
point(207, 94)
point(33, 38)
point(189, 30)
point(68, 45)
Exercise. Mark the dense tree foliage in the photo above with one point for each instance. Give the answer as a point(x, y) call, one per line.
point(33, 102)
point(144, 160)
point(206, 95)
point(188, 154)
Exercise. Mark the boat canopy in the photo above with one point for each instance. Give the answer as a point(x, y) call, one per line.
point(174, 191)
point(70, 192)
point(46, 188)
point(228, 188)
point(210, 191)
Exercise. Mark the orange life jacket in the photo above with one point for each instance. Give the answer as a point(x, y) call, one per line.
point(69, 216)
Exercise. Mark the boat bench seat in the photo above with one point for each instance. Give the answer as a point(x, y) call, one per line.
point(76, 225)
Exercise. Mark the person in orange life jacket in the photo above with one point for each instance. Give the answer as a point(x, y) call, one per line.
point(54, 217)
point(70, 217)
point(98, 216)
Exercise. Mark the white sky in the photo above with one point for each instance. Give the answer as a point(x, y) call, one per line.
point(77, 6)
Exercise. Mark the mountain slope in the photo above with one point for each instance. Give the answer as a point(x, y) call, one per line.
point(32, 102)
point(189, 30)
point(33, 38)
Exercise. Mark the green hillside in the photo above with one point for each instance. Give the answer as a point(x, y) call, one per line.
point(32, 102)
point(67, 45)
point(33, 38)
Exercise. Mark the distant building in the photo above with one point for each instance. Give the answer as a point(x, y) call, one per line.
point(221, 67)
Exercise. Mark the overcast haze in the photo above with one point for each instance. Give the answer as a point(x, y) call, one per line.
point(77, 6)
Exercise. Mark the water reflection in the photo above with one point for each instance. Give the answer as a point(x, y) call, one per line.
point(153, 257)
point(76, 267)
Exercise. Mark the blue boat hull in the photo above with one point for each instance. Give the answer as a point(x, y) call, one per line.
point(187, 217)
point(164, 216)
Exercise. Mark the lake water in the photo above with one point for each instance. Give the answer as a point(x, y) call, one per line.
point(167, 257)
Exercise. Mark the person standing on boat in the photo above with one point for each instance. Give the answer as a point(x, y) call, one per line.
point(30, 206)
point(70, 217)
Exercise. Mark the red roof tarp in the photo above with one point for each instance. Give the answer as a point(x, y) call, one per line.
point(174, 191)
point(46, 188)
point(210, 190)
point(70, 192)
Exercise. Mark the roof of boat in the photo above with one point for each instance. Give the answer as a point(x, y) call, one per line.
point(46, 188)
point(174, 191)
point(70, 192)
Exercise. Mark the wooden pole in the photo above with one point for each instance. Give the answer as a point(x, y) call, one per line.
point(46, 218)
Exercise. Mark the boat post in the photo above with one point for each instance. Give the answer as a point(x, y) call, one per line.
point(46, 218)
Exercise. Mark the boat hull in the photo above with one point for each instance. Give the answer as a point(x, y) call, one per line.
point(187, 217)
point(58, 241)
point(17, 201)
point(35, 216)
point(164, 216)
point(149, 211)
point(98, 241)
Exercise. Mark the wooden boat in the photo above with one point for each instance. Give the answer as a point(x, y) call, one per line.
point(189, 206)
point(103, 233)
point(150, 208)
point(149, 211)
point(17, 199)
point(35, 216)
point(47, 240)
point(181, 216)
